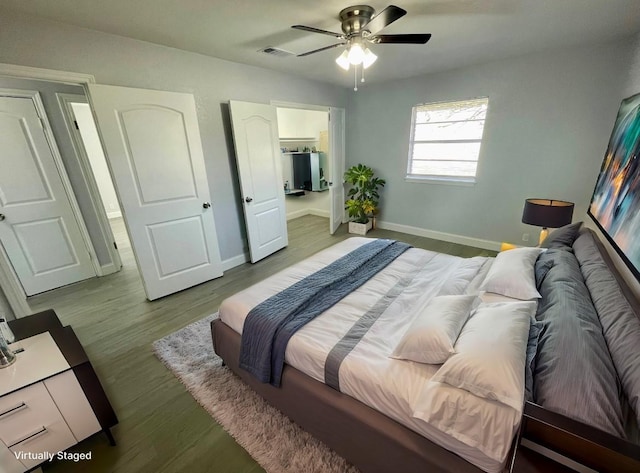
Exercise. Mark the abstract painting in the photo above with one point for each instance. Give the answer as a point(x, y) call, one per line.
point(615, 204)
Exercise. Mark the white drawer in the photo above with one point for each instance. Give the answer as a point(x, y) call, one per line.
point(27, 411)
point(52, 438)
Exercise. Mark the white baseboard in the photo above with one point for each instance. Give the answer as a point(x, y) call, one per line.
point(109, 269)
point(114, 214)
point(450, 237)
point(303, 212)
point(319, 213)
point(235, 261)
point(297, 213)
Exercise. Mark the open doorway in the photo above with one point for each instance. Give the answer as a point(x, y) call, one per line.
point(306, 161)
point(87, 143)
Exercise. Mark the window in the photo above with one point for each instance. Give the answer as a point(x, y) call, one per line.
point(445, 140)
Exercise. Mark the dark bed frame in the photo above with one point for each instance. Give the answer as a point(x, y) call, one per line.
point(375, 443)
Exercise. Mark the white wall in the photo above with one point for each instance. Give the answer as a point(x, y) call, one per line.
point(549, 119)
point(114, 60)
point(93, 147)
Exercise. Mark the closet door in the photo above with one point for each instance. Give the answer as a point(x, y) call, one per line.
point(38, 229)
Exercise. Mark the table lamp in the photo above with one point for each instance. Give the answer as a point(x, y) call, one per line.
point(547, 213)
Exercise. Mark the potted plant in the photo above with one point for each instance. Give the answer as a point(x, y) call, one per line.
point(363, 197)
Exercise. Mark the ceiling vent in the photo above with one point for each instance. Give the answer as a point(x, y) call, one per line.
point(271, 51)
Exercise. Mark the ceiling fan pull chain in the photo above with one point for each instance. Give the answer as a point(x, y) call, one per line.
point(362, 79)
point(355, 78)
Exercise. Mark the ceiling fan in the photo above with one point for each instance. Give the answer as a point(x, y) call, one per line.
point(360, 26)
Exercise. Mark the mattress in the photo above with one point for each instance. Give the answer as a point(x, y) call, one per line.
point(367, 373)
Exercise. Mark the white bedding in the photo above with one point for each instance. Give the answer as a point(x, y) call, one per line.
point(368, 374)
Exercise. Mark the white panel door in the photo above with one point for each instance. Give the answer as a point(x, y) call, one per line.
point(336, 152)
point(38, 229)
point(255, 132)
point(153, 148)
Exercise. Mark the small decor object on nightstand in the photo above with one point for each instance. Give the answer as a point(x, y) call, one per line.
point(7, 357)
point(547, 213)
point(5, 331)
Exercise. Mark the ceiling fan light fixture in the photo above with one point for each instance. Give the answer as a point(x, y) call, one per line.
point(356, 54)
point(343, 60)
point(369, 58)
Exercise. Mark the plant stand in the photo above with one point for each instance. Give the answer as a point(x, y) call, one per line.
point(360, 228)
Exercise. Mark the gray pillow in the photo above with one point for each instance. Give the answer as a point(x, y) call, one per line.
point(562, 237)
point(574, 374)
point(618, 317)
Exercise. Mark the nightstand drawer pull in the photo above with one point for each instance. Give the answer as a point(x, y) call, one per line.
point(32, 436)
point(11, 410)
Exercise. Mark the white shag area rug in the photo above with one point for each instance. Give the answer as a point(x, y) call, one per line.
point(253, 423)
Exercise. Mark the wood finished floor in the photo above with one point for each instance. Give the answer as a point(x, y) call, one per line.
point(162, 428)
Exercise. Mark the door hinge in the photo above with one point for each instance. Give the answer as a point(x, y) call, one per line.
point(75, 122)
point(42, 123)
point(114, 245)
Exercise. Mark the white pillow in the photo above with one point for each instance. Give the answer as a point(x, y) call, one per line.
point(430, 337)
point(512, 274)
point(491, 353)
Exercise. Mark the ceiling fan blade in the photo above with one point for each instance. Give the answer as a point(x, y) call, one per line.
point(321, 49)
point(384, 18)
point(400, 38)
point(316, 30)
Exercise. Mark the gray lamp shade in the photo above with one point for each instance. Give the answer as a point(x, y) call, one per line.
point(547, 213)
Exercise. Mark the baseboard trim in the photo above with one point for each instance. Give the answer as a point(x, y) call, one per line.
point(235, 261)
point(109, 268)
point(303, 212)
point(297, 213)
point(450, 237)
point(319, 213)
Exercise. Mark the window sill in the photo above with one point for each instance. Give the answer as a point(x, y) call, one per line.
point(450, 181)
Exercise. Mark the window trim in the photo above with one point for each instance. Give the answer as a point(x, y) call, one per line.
point(435, 179)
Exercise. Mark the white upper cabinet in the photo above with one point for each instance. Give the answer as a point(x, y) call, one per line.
point(297, 123)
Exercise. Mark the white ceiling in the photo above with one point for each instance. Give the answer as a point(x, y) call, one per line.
point(464, 31)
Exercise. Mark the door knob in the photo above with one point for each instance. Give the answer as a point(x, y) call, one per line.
point(2, 217)
point(248, 199)
point(206, 205)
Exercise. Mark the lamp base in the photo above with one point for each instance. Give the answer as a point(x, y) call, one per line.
point(543, 234)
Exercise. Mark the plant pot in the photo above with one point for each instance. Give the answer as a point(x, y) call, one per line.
point(360, 228)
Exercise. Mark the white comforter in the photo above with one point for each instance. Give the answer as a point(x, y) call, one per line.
point(483, 430)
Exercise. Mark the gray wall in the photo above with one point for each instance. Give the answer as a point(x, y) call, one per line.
point(549, 119)
point(115, 60)
point(48, 92)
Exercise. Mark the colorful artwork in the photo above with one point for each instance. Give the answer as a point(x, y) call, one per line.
point(615, 205)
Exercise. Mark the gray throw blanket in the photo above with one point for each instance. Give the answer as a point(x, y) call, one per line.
point(269, 326)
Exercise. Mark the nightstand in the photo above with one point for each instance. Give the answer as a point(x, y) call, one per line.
point(50, 398)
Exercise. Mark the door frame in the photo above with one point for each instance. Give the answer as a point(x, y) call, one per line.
point(8, 278)
point(319, 108)
point(65, 101)
point(6, 267)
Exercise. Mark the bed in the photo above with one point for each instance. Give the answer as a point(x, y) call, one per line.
point(364, 405)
